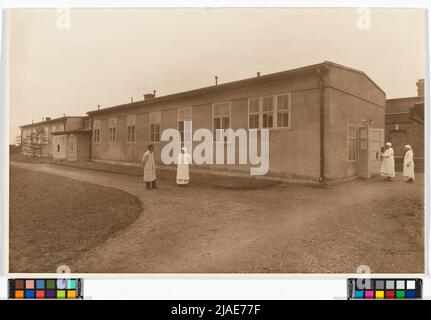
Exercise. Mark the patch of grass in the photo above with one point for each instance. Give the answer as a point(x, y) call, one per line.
point(54, 219)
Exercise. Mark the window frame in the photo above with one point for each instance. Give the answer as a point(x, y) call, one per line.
point(259, 118)
point(288, 111)
point(155, 123)
point(229, 117)
point(97, 124)
point(183, 120)
point(274, 112)
point(355, 142)
point(131, 125)
point(114, 130)
point(268, 112)
point(46, 134)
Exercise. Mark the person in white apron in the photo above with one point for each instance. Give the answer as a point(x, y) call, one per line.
point(409, 165)
point(149, 168)
point(387, 168)
point(184, 160)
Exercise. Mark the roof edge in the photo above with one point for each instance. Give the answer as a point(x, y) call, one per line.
point(268, 77)
point(50, 121)
point(357, 71)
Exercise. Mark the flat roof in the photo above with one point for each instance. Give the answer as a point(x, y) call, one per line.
point(228, 85)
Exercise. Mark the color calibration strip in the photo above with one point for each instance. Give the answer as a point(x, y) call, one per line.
point(45, 289)
point(384, 288)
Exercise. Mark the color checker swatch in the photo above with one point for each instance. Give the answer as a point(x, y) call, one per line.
point(384, 288)
point(45, 288)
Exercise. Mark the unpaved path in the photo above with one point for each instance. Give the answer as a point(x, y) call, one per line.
point(280, 229)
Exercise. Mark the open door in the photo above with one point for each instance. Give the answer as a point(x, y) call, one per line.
point(376, 142)
point(371, 140)
point(363, 153)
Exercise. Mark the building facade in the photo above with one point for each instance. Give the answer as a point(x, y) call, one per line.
point(65, 138)
point(405, 125)
point(325, 121)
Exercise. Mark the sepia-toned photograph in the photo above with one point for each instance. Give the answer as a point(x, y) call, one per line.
point(216, 140)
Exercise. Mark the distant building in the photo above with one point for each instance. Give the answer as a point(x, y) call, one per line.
point(404, 124)
point(60, 138)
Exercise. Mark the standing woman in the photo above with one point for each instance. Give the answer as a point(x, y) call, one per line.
point(387, 168)
point(184, 159)
point(149, 168)
point(409, 165)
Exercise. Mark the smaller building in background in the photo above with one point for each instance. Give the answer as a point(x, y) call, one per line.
point(404, 124)
point(61, 138)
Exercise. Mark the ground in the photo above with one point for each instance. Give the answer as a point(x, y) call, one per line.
point(237, 225)
point(54, 219)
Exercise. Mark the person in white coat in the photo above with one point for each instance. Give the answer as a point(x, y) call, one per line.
point(184, 160)
point(409, 165)
point(387, 168)
point(149, 168)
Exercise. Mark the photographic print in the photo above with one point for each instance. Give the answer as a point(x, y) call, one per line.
point(216, 141)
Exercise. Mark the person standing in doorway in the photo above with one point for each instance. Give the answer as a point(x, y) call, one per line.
point(184, 159)
point(149, 168)
point(387, 168)
point(409, 165)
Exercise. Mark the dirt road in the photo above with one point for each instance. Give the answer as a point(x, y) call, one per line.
point(283, 228)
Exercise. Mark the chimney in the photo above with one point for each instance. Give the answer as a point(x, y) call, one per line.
point(149, 96)
point(47, 118)
point(420, 87)
point(216, 80)
point(131, 99)
point(98, 107)
point(258, 74)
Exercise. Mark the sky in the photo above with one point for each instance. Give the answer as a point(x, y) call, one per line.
point(106, 56)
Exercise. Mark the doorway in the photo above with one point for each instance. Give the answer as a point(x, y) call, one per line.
point(371, 140)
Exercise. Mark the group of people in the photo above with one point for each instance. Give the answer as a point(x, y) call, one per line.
point(387, 168)
point(150, 179)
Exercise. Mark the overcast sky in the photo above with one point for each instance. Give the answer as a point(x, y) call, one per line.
point(110, 55)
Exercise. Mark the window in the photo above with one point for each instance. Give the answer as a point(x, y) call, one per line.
point(86, 123)
point(112, 130)
point(155, 120)
point(131, 129)
point(221, 118)
point(96, 131)
point(253, 113)
point(183, 115)
point(351, 142)
point(283, 111)
point(36, 136)
point(46, 135)
point(268, 112)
